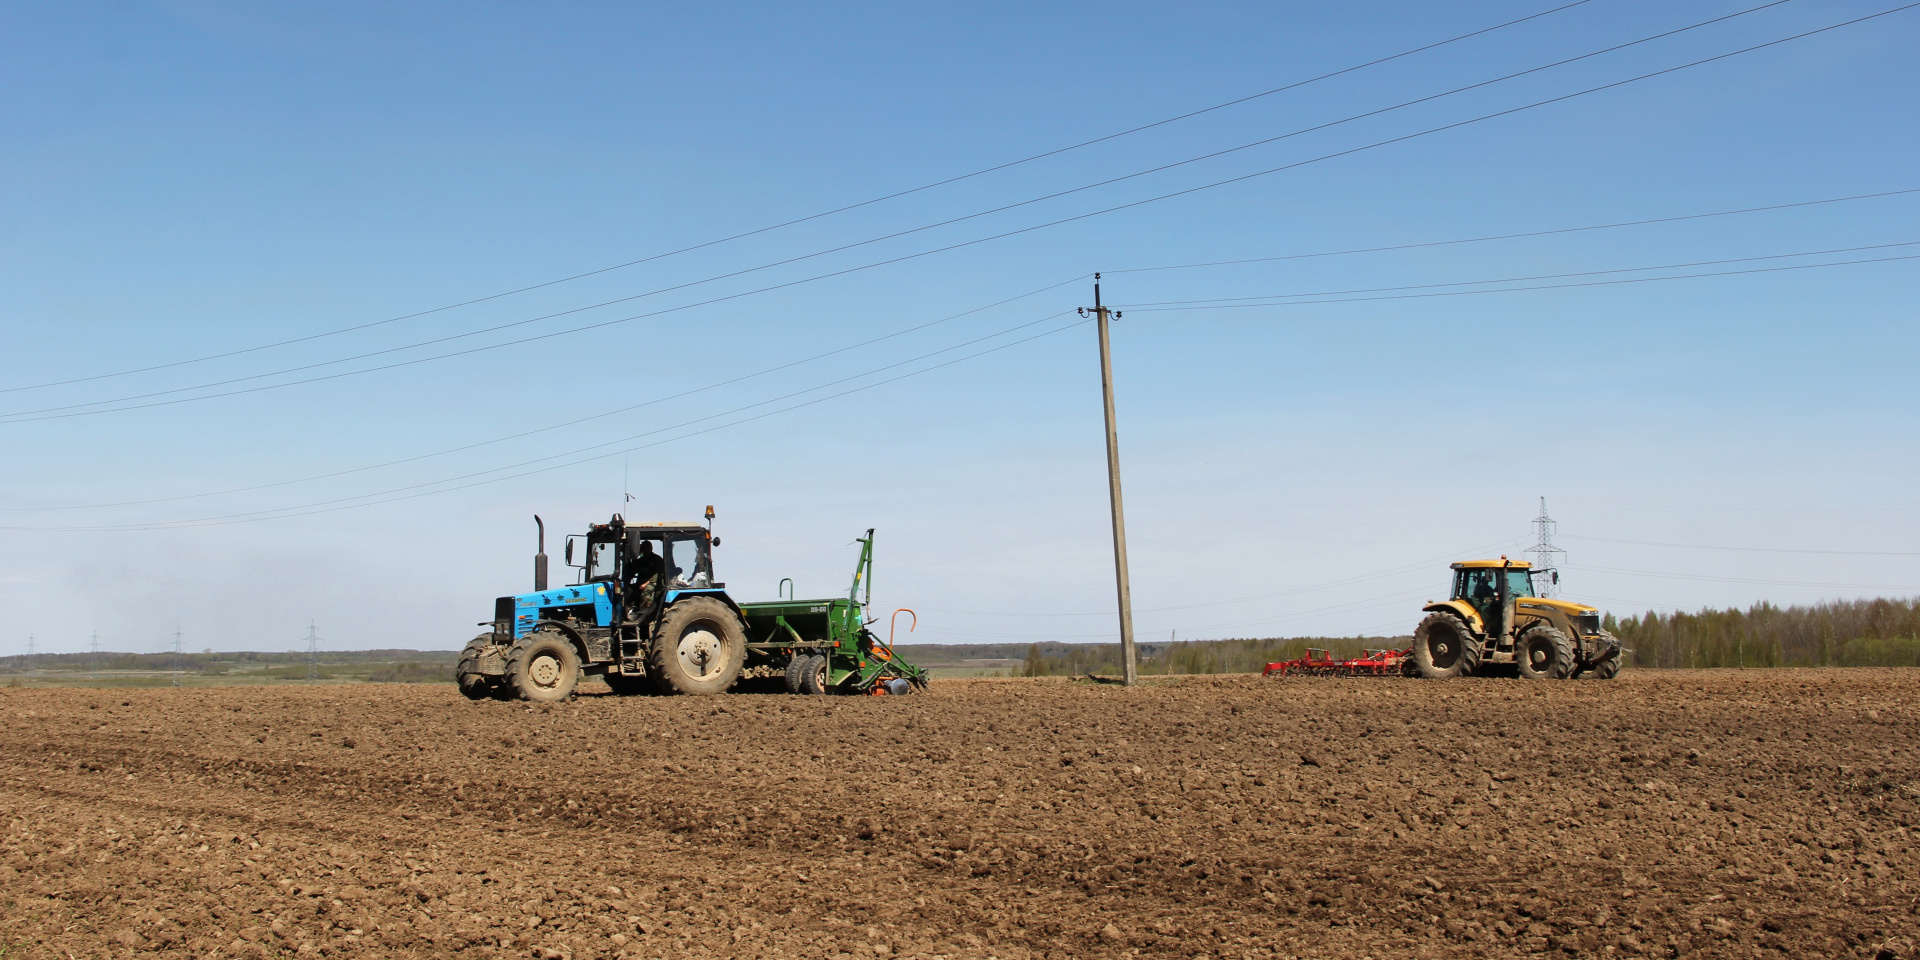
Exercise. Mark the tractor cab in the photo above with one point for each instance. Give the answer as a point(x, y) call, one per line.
point(622, 552)
point(644, 565)
point(1477, 582)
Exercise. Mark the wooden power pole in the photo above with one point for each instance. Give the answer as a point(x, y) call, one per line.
point(1101, 314)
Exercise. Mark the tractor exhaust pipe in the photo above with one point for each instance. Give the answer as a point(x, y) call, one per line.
point(540, 559)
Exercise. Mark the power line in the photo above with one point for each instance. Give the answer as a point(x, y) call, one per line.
point(838, 210)
point(1702, 546)
point(1776, 583)
point(1521, 236)
point(72, 410)
point(1240, 301)
point(569, 423)
point(330, 506)
point(654, 432)
point(1545, 286)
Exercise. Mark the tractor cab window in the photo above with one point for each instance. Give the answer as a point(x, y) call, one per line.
point(603, 560)
point(688, 563)
point(1519, 583)
point(1475, 586)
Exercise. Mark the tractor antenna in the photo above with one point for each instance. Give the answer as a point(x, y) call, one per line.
point(1544, 552)
point(626, 488)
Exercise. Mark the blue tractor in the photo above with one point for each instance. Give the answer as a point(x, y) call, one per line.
point(648, 614)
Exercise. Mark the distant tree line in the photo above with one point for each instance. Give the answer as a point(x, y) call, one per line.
point(289, 663)
point(1839, 633)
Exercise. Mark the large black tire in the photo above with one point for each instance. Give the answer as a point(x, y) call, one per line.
point(475, 685)
point(1606, 669)
point(1443, 647)
point(543, 665)
point(1543, 653)
point(813, 680)
point(797, 669)
point(699, 649)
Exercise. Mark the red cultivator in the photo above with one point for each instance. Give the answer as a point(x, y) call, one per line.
point(1320, 663)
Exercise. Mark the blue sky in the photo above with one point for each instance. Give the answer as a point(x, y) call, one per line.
point(186, 180)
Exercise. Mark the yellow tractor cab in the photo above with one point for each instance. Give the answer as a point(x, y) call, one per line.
point(1495, 622)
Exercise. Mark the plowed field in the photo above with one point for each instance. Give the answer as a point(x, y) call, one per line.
point(1712, 814)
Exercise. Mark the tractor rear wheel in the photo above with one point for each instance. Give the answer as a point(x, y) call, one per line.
point(543, 665)
point(1443, 647)
point(474, 685)
point(813, 678)
point(1543, 653)
point(700, 648)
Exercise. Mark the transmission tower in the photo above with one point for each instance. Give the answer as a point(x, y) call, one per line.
point(179, 668)
point(1544, 552)
point(313, 654)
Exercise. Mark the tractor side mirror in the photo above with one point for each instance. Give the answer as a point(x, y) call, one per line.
point(716, 541)
point(569, 551)
point(1556, 578)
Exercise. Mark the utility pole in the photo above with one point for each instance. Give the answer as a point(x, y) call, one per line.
point(178, 669)
point(93, 658)
point(1100, 316)
point(29, 655)
point(313, 654)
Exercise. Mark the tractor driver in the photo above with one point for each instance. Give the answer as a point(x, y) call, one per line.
point(1483, 592)
point(643, 576)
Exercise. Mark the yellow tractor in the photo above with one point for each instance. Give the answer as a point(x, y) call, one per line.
point(1496, 623)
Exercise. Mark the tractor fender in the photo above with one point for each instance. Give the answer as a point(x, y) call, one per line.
point(674, 596)
point(1461, 609)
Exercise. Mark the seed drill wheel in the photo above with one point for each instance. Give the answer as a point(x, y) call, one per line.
point(1443, 647)
point(474, 684)
point(813, 680)
point(1543, 653)
point(797, 669)
point(1606, 669)
point(543, 665)
point(700, 648)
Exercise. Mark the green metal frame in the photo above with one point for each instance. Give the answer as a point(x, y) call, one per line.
point(856, 658)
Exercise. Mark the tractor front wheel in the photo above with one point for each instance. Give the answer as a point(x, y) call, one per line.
point(474, 685)
point(1543, 653)
point(1443, 647)
point(543, 665)
point(700, 648)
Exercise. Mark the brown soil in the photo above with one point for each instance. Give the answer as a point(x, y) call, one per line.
point(1714, 814)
